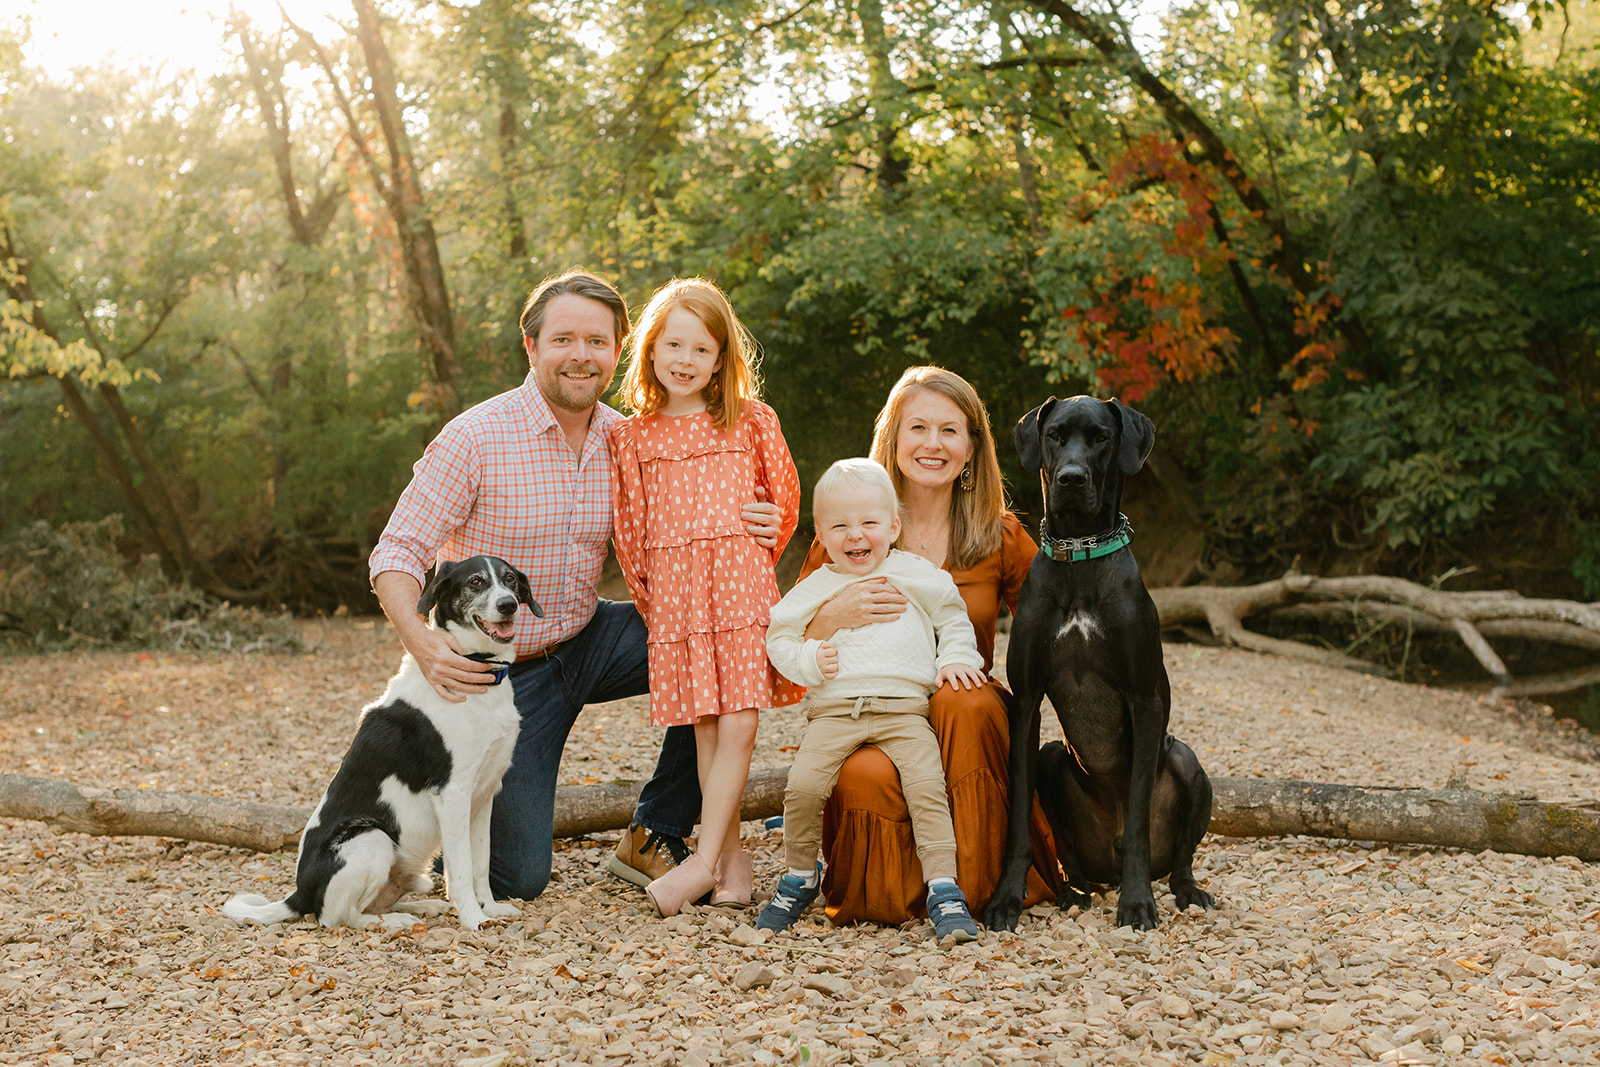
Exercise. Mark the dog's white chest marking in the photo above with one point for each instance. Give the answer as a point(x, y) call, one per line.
point(1082, 622)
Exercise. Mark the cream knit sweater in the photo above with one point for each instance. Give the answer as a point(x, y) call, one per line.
point(884, 659)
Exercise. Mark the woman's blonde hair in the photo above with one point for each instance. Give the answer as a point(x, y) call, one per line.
point(975, 514)
point(735, 381)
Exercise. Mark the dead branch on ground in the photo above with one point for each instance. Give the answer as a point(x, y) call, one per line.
point(1471, 616)
point(1244, 807)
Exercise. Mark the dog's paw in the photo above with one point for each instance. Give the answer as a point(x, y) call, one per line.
point(1072, 897)
point(1002, 914)
point(1191, 894)
point(499, 909)
point(473, 920)
point(1138, 912)
point(427, 908)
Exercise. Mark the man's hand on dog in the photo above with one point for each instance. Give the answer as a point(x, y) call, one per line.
point(961, 676)
point(452, 675)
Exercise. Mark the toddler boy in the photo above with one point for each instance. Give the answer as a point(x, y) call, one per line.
point(870, 685)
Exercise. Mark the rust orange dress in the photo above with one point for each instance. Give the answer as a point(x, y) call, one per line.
point(872, 870)
point(703, 586)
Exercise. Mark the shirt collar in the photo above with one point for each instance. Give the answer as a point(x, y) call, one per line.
point(543, 419)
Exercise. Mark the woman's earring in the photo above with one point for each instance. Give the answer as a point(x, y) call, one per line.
point(968, 479)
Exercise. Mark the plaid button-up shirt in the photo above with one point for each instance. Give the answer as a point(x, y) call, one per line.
point(501, 480)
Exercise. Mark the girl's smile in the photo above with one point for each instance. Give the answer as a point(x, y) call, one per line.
point(684, 358)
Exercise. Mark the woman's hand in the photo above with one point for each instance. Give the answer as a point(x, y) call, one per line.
point(762, 521)
point(961, 676)
point(858, 604)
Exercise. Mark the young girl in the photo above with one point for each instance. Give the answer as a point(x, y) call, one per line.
point(696, 450)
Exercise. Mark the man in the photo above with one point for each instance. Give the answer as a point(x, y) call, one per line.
point(526, 476)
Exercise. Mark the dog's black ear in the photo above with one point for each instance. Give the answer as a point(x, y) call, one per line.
point(524, 591)
point(430, 592)
point(1026, 436)
point(1138, 438)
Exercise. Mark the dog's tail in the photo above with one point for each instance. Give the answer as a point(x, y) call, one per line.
point(255, 908)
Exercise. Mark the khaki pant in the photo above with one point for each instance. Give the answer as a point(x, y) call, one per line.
point(899, 727)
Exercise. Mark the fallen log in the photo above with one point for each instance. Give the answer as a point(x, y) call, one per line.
point(1444, 818)
point(69, 808)
point(1244, 807)
point(1472, 616)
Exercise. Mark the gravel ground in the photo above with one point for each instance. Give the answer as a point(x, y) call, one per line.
point(112, 950)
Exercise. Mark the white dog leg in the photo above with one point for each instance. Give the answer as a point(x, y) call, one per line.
point(494, 909)
point(363, 876)
point(454, 807)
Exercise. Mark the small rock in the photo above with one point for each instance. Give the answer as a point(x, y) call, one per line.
point(1551, 946)
point(1453, 1045)
point(1374, 1046)
point(1175, 1007)
point(590, 1036)
point(1336, 1019)
point(566, 1013)
point(898, 978)
point(1283, 1020)
point(483, 1057)
point(1422, 1029)
point(826, 984)
point(753, 974)
point(1533, 967)
point(745, 935)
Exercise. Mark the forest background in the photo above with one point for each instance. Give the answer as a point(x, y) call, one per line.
point(1346, 256)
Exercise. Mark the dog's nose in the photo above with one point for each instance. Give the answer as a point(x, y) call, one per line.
point(506, 605)
point(1075, 477)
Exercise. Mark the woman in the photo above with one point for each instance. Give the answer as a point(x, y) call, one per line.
point(933, 437)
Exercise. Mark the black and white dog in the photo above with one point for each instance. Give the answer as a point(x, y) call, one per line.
point(421, 773)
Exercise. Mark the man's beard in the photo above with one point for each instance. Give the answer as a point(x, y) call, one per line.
point(568, 395)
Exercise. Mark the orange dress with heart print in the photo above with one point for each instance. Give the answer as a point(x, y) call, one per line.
point(703, 585)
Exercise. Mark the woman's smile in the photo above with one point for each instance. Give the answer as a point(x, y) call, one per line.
point(933, 442)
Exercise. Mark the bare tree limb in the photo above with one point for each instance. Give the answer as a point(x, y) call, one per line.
point(1472, 616)
point(1243, 807)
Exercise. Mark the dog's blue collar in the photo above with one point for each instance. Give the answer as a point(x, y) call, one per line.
point(502, 671)
point(1079, 549)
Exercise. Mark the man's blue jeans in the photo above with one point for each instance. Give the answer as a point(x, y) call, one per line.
point(607, 660)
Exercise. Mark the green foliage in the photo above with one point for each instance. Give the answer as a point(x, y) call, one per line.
point(67, 587)
point(1586, 566)
point(875, 186)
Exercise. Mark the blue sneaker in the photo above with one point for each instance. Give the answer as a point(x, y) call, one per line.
point(947, 907)
point(788, 902)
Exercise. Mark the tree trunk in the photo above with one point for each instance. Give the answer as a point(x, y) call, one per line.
point(894, 166)
point(427, 287)
point(427, 293)
point(1243, 807)
point(121, 475)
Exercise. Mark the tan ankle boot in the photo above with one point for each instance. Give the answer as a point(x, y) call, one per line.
point(736, 882)
point(688, 881)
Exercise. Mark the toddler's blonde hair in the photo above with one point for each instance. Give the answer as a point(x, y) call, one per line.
point(856, 473)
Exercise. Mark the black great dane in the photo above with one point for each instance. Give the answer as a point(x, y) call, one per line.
point(1127, 801)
